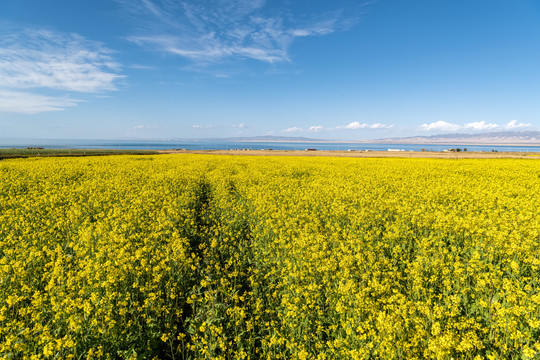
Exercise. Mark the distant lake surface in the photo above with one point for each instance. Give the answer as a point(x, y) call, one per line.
point(216, 145)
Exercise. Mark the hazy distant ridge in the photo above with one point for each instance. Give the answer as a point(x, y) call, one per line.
point(491, 138)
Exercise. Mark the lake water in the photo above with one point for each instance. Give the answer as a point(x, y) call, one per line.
point(216, 145)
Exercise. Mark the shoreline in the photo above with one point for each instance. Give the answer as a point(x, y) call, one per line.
point(445, 143)
point(38, 152)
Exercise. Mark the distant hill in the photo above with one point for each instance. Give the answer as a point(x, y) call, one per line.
point(490, 138)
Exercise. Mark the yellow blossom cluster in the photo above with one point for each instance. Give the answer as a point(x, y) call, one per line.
point(209, 257)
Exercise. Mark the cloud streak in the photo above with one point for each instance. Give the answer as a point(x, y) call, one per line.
point(440, 126)
point(293, 129)
point(31, 103)
point(139, 127)
point(355, 125)
point(210, 31)
point(477, 126)
point(36, 64)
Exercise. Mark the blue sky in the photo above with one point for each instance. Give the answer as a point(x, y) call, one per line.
point(341, 69)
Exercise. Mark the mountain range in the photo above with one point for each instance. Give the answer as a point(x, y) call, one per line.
point(488, 138)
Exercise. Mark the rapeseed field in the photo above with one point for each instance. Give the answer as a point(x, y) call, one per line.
point(208, 257)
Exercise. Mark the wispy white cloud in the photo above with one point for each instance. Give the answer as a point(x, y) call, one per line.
point(355, 125)
point(142, 67)
point(481, 125)
point(440, 126)
point(513, 124)
point(293, 129)
point(316, 128)
point(31, 103)
point(240, 126)
point(381, 126)
point(197, 126)
point(40, 63)
point(477, 126)
point(209, 31)
point(139, 127)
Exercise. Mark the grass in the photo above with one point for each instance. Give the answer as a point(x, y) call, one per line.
point(24, 153)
